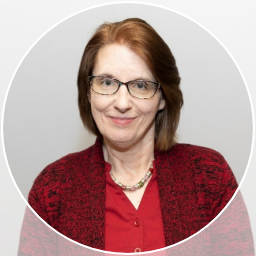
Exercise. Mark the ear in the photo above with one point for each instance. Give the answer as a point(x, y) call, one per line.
point(161, 103)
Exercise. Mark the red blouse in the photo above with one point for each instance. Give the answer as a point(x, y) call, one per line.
point(130, 230)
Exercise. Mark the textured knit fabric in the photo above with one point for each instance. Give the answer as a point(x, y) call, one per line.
point(130, 230)
point(195, 184)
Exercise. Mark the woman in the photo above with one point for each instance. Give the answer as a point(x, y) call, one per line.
point(135, 189)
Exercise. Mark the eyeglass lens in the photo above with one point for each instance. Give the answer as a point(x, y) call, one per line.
point(137, 88)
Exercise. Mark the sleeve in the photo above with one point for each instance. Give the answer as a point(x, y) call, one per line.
point(37, 200)
point(44, 197)
point(46, 192)
point(226, 186)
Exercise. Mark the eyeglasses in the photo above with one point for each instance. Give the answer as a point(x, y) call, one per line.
point(137, 88)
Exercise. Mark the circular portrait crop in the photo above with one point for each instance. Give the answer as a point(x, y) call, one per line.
point(128, 128)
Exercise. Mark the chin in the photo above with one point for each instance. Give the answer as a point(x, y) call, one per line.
point(121, 140)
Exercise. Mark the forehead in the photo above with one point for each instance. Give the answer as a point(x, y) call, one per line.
point(120, 62)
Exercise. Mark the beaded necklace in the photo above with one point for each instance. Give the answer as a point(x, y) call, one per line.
point(137, 185)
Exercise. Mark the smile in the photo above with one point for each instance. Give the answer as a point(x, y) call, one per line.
point(122, 120)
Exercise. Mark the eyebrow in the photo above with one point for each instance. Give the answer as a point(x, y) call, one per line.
point(106, 74)
point(138, 78)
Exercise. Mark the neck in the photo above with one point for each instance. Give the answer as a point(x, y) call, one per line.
point(129, 163)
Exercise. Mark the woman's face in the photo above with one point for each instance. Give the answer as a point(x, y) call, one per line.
point(122, 119)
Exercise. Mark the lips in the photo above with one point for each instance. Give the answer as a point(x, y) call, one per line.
point(122, 120)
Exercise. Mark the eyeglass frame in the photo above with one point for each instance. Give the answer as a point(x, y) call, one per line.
point(125, 83)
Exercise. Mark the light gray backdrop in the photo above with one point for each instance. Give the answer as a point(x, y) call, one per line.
point(42, 124)
point(22, 22)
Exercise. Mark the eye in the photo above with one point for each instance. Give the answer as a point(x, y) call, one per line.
point(106, 81)
point(141, 85)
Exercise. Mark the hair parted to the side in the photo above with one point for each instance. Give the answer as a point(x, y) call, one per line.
point(142, 39)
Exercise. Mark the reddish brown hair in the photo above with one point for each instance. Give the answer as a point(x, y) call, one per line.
point(142, 39)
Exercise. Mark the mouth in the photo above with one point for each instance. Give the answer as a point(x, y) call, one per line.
point(122, 120)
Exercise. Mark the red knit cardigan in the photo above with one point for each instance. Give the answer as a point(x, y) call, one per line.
point(195, 184)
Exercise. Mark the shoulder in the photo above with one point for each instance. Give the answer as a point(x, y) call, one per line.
point(194, 149)
point(53, 183)
point(197, 154)
point(201, 180)
point(212, 178)
point(201, 165)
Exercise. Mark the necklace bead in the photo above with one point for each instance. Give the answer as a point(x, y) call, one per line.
point(138, 185)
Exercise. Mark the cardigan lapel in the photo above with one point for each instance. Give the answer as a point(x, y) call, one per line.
point(173, 230)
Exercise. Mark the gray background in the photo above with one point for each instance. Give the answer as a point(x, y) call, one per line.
point(42, 124)
point(229, 30)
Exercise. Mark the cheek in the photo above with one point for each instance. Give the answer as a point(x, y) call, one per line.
point(97, 111)
point(149, 110)
point(99, 106)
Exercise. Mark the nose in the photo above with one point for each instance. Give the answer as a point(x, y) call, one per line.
point(123, 99)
